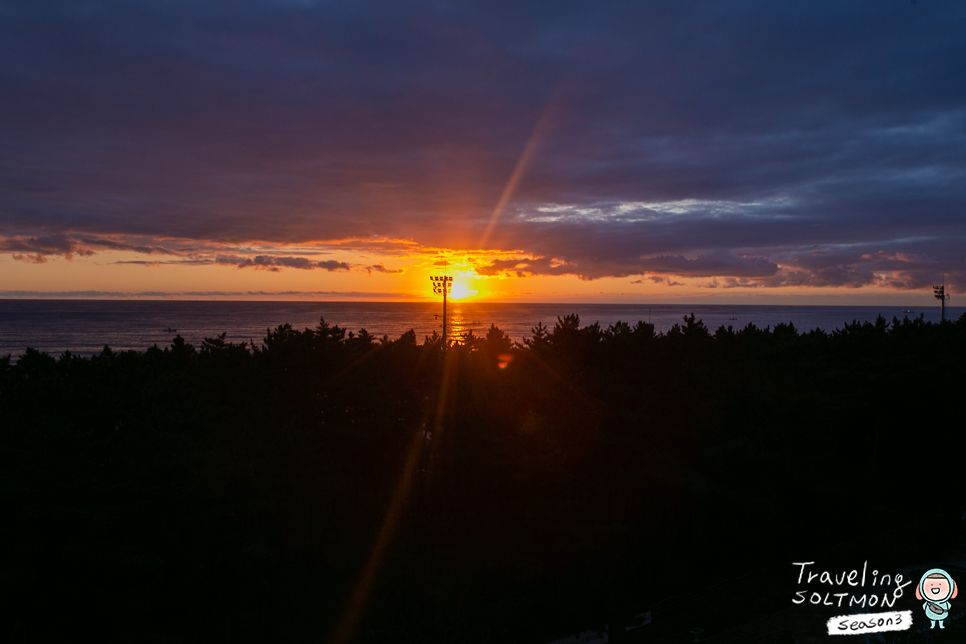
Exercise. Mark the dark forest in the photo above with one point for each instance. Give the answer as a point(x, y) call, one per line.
point(331, 486)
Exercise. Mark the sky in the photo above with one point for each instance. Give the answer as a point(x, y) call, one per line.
point(738, 152)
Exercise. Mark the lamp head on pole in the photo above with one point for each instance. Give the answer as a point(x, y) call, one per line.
point(442, 284)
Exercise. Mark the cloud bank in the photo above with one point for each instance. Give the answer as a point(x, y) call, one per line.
point(763, 144)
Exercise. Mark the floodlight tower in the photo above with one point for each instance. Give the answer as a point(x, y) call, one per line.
point(940, 293)
point(441, 286)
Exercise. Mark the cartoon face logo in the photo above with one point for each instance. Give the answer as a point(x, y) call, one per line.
point(936, 587)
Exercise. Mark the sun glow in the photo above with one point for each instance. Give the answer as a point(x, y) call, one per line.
point(461, 291)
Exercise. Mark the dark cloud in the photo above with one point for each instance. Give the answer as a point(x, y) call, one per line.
point(56, 244)
point(700, 139)
point(719, 262)
point(110, 244)
point(857, 266)
point(658, 279)
point(380, 268)
point(274, 263)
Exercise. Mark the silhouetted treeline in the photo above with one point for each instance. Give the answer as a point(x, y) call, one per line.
point(236, 493)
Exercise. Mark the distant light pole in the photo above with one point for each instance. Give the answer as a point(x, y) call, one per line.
point(940, 292)
point(441, 286)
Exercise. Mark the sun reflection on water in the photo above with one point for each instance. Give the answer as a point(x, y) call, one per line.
point(460, 321)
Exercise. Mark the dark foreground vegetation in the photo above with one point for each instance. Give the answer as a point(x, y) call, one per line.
point(328, 486)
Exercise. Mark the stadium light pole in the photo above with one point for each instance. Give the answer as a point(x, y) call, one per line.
point(441, 286)
point(940, 293)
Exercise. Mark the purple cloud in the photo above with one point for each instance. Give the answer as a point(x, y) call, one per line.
point(700, 139)
point(273, 263)
point(380, 268)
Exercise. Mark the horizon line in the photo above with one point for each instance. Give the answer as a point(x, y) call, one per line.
point(41, 297)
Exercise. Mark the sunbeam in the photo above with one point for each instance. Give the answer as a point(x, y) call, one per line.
point(539, 133)
point(345, 629)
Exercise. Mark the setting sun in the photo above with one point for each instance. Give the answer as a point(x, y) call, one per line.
point(460, 291)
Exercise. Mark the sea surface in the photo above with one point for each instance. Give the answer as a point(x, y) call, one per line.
point(84, 327)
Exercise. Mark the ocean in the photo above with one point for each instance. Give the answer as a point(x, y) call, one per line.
point(84, 327)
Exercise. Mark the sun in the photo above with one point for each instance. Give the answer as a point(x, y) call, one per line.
point(460, 291)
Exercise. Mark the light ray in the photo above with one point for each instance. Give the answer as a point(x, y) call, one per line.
point(345, 629)
point(539, 132)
